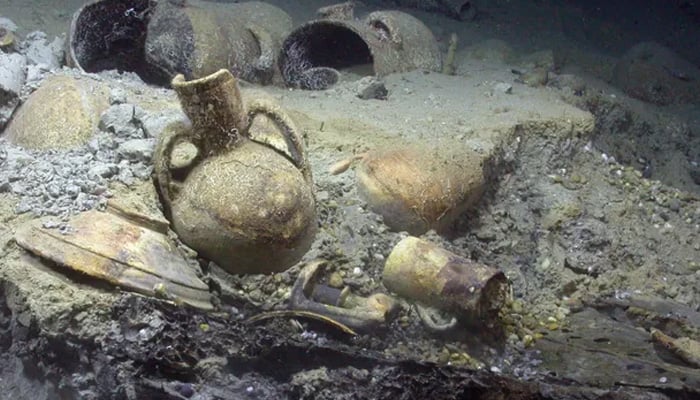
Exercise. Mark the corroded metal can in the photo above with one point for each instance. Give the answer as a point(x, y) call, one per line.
point(422, 271)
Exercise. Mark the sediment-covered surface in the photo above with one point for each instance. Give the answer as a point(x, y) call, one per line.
point(591, 210)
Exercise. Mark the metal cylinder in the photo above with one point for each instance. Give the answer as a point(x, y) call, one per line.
point(424, 272)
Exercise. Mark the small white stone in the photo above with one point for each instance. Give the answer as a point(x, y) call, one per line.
point(504, 88)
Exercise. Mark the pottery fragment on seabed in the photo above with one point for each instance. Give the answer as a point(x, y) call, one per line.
point(110, 248)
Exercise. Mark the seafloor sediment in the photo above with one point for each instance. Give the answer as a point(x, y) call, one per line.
point(600, 249)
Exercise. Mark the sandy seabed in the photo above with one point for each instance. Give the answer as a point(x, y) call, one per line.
point(592, 211)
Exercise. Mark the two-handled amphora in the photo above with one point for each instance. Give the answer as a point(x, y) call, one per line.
point(245, 205)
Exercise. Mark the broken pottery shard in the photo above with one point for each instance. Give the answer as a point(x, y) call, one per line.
point(108, 247)
point(364, 314)
point(139, 213)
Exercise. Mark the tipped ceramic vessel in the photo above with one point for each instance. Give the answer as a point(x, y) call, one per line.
point(418, 188)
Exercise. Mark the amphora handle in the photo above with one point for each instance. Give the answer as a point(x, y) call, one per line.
point(219, 123)
point(171, 137)
point(213, 105)
point(287, 128)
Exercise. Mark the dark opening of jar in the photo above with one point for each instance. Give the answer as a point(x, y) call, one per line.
point(311, 52)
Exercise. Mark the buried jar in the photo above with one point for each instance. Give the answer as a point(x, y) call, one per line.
point(239, 203)
point(419, 188)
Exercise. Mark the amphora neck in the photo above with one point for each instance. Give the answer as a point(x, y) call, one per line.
point(214, 105)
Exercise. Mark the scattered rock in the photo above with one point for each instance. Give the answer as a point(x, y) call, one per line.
point(51, 181)
point(371, 87)
point(122, 121)
point(503, 87)
point(137, 149)
point(154, 123)
point(35, 75)
point(11, 81)
point(39, 51)
point(103, 171)
point(117, 96)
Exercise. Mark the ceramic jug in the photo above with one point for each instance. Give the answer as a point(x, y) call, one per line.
point(243, 204)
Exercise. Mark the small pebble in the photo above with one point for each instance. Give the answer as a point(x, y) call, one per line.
point(185, 389)
point(117, 96)
point(504, 88)
point(372, 88)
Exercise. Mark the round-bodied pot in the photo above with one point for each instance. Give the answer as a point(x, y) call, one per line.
point(418, 188)
point(237, 202)
point(61, 114)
